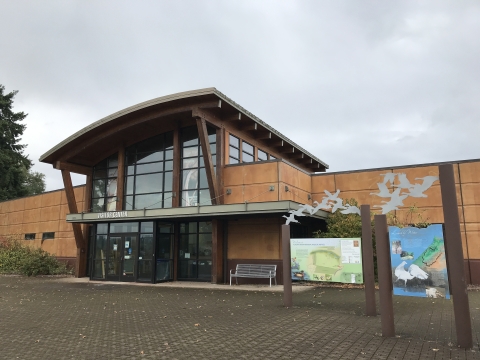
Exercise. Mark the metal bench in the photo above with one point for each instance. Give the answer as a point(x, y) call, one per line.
point(254, 271)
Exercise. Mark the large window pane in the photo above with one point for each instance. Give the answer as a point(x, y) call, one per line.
point(130, 227)
point(128, 203)
point(111, 204)
point(112, 187)
point(100, 174)
point(247, 157)
point(168, 181)
point(190, 136)
point(149, 157)
point(203, 178)
point(153, 144)
point(246, 147)
point(150, 168)
point(188, 246)
point(190, 179)
point(234, 141)
point(190, 198)
point(98, 205)
point(150, 201)
point(190, 152)
point(262, 155)
point(190, 163)
point(187, 269)
point(167, 200)
point(205, 246)
point(98, 188)
point(234, 152)
point(205, 197)
point(129, 186)
point(148, 183)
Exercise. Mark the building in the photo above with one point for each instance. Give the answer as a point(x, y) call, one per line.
point(186, 186)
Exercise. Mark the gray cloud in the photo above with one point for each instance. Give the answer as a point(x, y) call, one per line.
point(359, 84)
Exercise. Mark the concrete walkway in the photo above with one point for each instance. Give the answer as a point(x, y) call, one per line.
point(49, 318)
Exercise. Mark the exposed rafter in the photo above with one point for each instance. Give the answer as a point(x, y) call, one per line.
point(77, 169)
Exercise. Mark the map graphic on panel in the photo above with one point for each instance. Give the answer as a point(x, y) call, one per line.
point(336, 260)
point(418, 261)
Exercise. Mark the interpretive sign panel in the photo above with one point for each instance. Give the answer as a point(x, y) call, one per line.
point(333, 260)
point(418, 261)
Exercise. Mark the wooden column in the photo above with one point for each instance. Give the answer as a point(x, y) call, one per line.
point(367, 262)
point(120, 178)
point(220, 163)
point(177, 198)
point(207, 157)
point(77, 230)
point(87, 204)
point(217, 251)
point(454, 252)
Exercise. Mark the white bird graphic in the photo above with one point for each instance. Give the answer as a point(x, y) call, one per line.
point(388, 177)
point(290, 219)
point(338, 205)
point(310, 209)
point(415, 271)
point(402, 274)
point(324, 205)
point(384, 192)
point(298, 212)
point(349, 209)
point(404, 183)
point(389, 206)
point(417, 189)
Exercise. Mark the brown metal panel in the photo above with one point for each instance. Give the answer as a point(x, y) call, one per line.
point(207, 157)
point(384, 276)
point(120, 178)
point(72, 207)
point(287, 272)
point(453, 248)
point(176, 200)
point(217, 251)
point(367, 262)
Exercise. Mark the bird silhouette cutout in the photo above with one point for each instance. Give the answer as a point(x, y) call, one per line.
point(333, 203)
point(350, 209)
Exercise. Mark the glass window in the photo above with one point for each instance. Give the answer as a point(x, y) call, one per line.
point(130, 227)
point(104, 186)
point(234, 141)
point(234, 150)
point(247, 157)
point(149, 173)
point(30, 236)
point(48, 235)
point(247, 152)
point(262, 155)
point(146, 227)
point(193, 175)
point(102, 228)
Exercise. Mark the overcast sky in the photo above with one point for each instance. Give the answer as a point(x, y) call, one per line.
point(360, 84)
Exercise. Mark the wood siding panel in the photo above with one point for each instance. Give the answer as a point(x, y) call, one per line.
point(50, 213)
point(322, 183)
point(236, 196)
point(473, 239)
point(32, 216)
point(17, 205)
point(470, 172)
point(471, 193)
point(254, 239)
point(260, 173)
point(15, 218)
point(359, 180)
point(33, 202)
point(472, 213)
point(51, 199)
point(233, 176)
point(259, 193)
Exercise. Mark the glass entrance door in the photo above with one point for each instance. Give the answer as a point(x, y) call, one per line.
point(114, 258)
point(129, 257)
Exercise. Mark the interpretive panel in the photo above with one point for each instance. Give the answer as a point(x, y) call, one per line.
point(332, 260)
point(418, 261)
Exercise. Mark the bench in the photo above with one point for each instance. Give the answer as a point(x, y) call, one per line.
point(254, 271)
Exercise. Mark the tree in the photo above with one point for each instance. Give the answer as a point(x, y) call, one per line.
point(16, 180)
point(342, 225)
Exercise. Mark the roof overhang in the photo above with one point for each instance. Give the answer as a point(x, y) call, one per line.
point(137, 120)
point(211, 211)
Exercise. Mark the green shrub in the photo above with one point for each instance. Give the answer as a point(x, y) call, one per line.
point(17, 258)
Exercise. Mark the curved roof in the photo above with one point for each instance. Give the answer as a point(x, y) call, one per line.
point(71, 148)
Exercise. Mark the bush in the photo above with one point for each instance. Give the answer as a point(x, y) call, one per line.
point(20, 259)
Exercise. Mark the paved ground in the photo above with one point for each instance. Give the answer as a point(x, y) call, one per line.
point(45, 318)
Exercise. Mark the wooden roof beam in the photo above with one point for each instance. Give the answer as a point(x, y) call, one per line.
point(77, 169)
point(264, 135)
point(207, 158)
point(234, 117)
point(211, 105)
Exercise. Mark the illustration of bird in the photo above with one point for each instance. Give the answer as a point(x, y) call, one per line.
point(415, 271)
point(349, 209)
point(310, 209)
point(298, 212)
point(402, 274)
point(389, 206)
point(290, 219)
point(324, 205)
point(417, 189)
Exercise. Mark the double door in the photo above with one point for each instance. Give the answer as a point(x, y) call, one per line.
point(122, 257)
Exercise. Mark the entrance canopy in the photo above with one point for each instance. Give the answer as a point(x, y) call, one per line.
point(272, 207)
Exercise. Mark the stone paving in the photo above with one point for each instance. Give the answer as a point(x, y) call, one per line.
point(45, 318)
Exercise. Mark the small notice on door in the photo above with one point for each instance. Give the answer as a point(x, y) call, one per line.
point(114, 247)
point(187, 255)
point(127, 243)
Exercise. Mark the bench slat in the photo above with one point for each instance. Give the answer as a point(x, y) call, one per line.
point(255, 271)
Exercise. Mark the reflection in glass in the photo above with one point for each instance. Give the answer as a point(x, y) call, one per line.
point(150, 201)
point(97, 204)
point(130, 227)
point(111, 204)
point(146, 227)
point(149, 157)
point(247, 157)
point(150, 168)
point(148, 184)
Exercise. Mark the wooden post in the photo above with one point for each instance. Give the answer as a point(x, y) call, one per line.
point(217, 251)
point(207, 158)
point(77, 230)
point(454, 252)
point(367, 262)
point(384, 276)
point(220, 163)
point(287, 271)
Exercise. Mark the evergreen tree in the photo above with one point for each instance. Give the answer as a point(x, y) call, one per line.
point(16, 180)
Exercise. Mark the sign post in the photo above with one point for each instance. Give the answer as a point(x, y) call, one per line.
point(287, 272)
point(453, 245)
point(367, 262)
